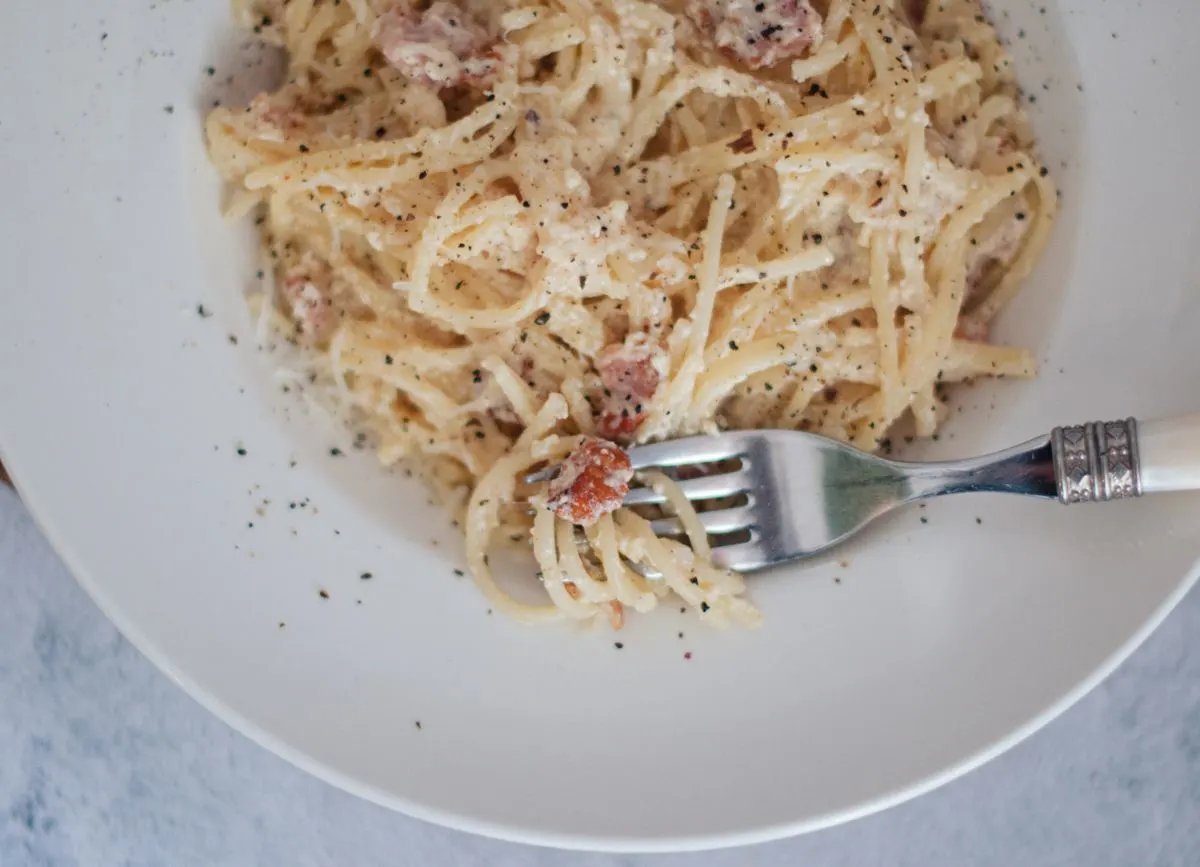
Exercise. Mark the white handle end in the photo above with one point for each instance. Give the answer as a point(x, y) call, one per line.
point(1169, 452)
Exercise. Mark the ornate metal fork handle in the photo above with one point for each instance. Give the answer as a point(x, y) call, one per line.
point(1116, 460)
point(1097, 461)
point(805, 494)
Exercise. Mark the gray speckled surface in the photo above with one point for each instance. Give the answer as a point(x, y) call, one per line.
point(103, 761)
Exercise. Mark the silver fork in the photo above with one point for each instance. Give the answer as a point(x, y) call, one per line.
point(805, 493)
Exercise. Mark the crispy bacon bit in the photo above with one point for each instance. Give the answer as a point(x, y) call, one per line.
point(273, 117)
point(441, 45)
point(616, 615)
point(757, 33)
point(743, 144)
point(305, 290)
point(572, 590)
point(630, 372)
point(591, 482)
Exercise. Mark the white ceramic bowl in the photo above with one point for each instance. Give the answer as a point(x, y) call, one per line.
point(940, 643)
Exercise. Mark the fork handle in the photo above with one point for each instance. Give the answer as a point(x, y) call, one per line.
point(1169, 452)
point(1115, 460)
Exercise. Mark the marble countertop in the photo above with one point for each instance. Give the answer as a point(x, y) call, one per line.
point(106, 763)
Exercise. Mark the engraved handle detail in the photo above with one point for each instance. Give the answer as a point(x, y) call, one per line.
point(1096, 462)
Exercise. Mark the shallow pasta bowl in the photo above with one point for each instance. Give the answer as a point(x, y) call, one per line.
point(312, 600)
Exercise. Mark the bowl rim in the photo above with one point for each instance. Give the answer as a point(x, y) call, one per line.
point(465, 822)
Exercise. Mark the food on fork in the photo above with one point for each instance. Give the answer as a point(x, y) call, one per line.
point(590, 483)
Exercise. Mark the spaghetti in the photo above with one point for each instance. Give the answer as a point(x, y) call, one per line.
point(502, 230)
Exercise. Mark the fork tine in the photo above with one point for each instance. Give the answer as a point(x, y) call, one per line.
point(642, 569)
point(673, 453)
point(543, 475)
point(742, 557)
point(690, 450)
point(703, 488)
point(720, 521)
